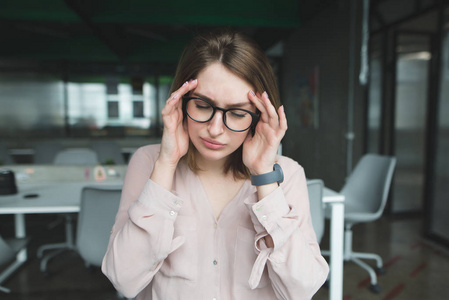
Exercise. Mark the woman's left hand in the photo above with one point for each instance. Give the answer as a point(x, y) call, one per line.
point(259, 151)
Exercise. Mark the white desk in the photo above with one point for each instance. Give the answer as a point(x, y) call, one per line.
point(336, 202)
point(64, 197)
point(59, 191)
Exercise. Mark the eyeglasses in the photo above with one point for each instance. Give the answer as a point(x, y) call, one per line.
point(235, 119)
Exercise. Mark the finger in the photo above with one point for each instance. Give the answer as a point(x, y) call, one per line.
point(274, 118)
point(173, 102)
point(184, 89)
point(282, 119)
point(259, 105)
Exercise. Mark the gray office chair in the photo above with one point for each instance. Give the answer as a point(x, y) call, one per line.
point(45, 153)
point(315, 189)
point(76, 157)
point(108, 152)
point(366, 194)
point(5, 157)
point(99, 205)
point(82, 156)
point(8, 251)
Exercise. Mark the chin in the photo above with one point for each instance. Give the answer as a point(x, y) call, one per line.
point(212, 155)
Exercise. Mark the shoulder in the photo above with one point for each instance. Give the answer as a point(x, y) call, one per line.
point(148, 151)
point(143, 159)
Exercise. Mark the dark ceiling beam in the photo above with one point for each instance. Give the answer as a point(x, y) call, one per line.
point(100, 34)
point(268, 37)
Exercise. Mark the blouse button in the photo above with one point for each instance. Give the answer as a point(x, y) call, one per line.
point(264, 218)
point(171, 213)
point(215, 262)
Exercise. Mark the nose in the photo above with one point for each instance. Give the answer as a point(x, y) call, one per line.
point(216, 125)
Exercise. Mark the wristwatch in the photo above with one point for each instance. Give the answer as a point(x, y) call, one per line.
point(276, 176)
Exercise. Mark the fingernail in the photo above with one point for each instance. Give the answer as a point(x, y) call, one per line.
point(195, 80)
point(252, 93)
point(282, 108)
point(175, 96)
point(185, 83)
point(266, 95)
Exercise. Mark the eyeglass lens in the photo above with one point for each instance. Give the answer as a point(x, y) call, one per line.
point(234, 118)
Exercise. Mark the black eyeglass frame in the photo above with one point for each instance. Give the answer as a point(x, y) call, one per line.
point(254, 116)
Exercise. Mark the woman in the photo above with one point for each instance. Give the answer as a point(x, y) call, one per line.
point(212, 212)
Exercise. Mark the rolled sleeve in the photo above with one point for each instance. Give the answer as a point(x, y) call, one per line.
point(158, 201)
point(272, 216)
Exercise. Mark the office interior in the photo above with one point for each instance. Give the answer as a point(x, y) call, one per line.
point(355, 77)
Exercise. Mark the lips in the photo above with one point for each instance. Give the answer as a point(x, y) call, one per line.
point(212, 144)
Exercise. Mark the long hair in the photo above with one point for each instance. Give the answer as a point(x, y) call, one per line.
point(240, 55)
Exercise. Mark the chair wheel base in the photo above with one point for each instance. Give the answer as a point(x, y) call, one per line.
point(381, 271)
point(375, 288)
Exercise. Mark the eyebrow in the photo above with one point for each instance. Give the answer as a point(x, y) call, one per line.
point(240, 104)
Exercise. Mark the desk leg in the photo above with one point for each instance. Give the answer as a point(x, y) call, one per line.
point(336, 251)
point(19, 220)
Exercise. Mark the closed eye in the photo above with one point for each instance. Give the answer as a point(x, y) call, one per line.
point(199, 106)
point(238, 113)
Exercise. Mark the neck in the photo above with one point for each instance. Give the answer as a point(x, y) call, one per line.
point(211, 167)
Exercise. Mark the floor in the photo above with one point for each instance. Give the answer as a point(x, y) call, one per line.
point(416, 268)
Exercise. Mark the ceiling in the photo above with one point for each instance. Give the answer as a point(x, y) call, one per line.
point(137, 31)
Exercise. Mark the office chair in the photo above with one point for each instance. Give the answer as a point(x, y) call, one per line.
point(5, 157)
point(76, 157)
point(315, 189)
point(99, 205)
point(45, 153)
point(366, 194)
point(108, 152)
point(66, 157)
point(8, 250)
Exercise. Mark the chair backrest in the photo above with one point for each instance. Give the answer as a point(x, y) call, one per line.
point(315, 189)
point(366, 189)
point(107, 150)
point(82, 156)
point(5, 157)
point(45, 153)
point(99, 205)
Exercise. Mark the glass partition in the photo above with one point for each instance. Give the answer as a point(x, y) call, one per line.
point(439, 216)
point(44, 106)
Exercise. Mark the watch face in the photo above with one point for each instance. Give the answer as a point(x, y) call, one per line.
point(280, 173)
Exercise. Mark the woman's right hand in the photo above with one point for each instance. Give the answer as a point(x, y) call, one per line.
point(175, 139)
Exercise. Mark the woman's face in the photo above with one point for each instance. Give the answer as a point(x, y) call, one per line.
point(213, 140)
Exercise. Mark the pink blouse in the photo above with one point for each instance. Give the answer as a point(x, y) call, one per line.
point(169, 245)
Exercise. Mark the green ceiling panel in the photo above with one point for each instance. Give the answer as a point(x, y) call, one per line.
point(129, 31)
point(37, 10)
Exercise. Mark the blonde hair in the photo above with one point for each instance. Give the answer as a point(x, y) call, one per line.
point(240, 55)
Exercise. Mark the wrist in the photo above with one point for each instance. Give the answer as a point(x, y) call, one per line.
point(261, 169)
point(275, 175)
point(168, 164)
point(163, 174)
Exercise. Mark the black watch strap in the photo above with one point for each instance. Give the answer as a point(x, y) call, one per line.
point(276, 176)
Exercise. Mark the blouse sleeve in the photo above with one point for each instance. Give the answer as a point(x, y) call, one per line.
point(295, 265)
point(142, 236)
